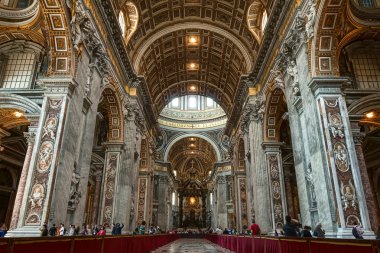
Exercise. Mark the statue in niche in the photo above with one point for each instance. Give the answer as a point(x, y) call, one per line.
point(310, 16)
point(335, 125)
point(76, 22)
point(293, 72)
point(299, 23)
point(340, 154)
point(310, 179)
point(75, 194)
point(90, 75)
point(38, 195)
point(348, 195)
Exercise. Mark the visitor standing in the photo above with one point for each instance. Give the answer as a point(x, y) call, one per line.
point(119, 228)
point(3, 230)
point(289, 228)
point(255, 228)
point(53, 230)
point(102, 231)
point(357, 231)
point(142, 228)
point(62, 230)
point(306, 232)
point(318, 231)
point(44, 231)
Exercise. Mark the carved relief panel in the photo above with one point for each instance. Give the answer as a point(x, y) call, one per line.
point(141, 200)
point(276, 190)
point(111, 170)
point(340, 166)
point(44, 167)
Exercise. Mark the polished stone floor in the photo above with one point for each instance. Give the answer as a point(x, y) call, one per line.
point(191, 246)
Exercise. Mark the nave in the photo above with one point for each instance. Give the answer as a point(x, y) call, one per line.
point(191, 245)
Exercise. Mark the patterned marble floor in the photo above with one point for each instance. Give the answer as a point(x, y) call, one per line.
point(191, 246)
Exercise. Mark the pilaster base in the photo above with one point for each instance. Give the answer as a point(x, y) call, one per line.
point(30, 231)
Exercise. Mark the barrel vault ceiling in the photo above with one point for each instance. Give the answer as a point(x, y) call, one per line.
point(192, 47)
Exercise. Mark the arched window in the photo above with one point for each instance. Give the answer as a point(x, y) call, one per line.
point(264, 20)
point(122, 22)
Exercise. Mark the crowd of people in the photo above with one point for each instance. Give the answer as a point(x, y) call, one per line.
point(292, 228)
point(87, 230)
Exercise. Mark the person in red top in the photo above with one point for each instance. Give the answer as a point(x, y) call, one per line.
point(102, 231)
point(255, 229)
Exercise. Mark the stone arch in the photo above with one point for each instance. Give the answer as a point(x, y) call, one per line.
point(335, 27)
point(49, 28)
point(111, 106)
point(19, 102)
point(12, 17)
point(182, 136)
point(131, 18)
point(255, 16)
point(276, 110)
point(364, 104)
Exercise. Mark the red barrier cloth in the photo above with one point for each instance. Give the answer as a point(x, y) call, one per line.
point(294, 246)
point(244, 244)
point(233, 243)
point(137, 245)
point(40, 246)
point(258, 245)
point(93, 245)
point(272, 245)
point(113, 244)
point(340, 247)
point(3, 247)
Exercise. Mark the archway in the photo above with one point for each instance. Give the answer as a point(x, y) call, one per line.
point(277, 130)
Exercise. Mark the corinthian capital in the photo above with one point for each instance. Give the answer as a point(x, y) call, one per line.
point(253, 111)
point(30, 137)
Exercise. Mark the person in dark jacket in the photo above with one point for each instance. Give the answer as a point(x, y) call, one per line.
point(306, 232)
point(289, 228)
point(44, 231)
point(119, 228)
point(53, 230)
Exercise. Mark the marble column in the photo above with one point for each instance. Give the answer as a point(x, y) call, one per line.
point(340, 158)
point(98, 187)
point(45, 168)
point(162, 202)
point(180, 209)
point(127, 180)
point(204, 204)
point(289, 193)
point(373, 210)
point(30, 138)
point(276, 183)
point(221, 208)
point(253, 116)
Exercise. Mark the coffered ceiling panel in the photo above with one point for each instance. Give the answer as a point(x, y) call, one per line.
point(192, 148)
